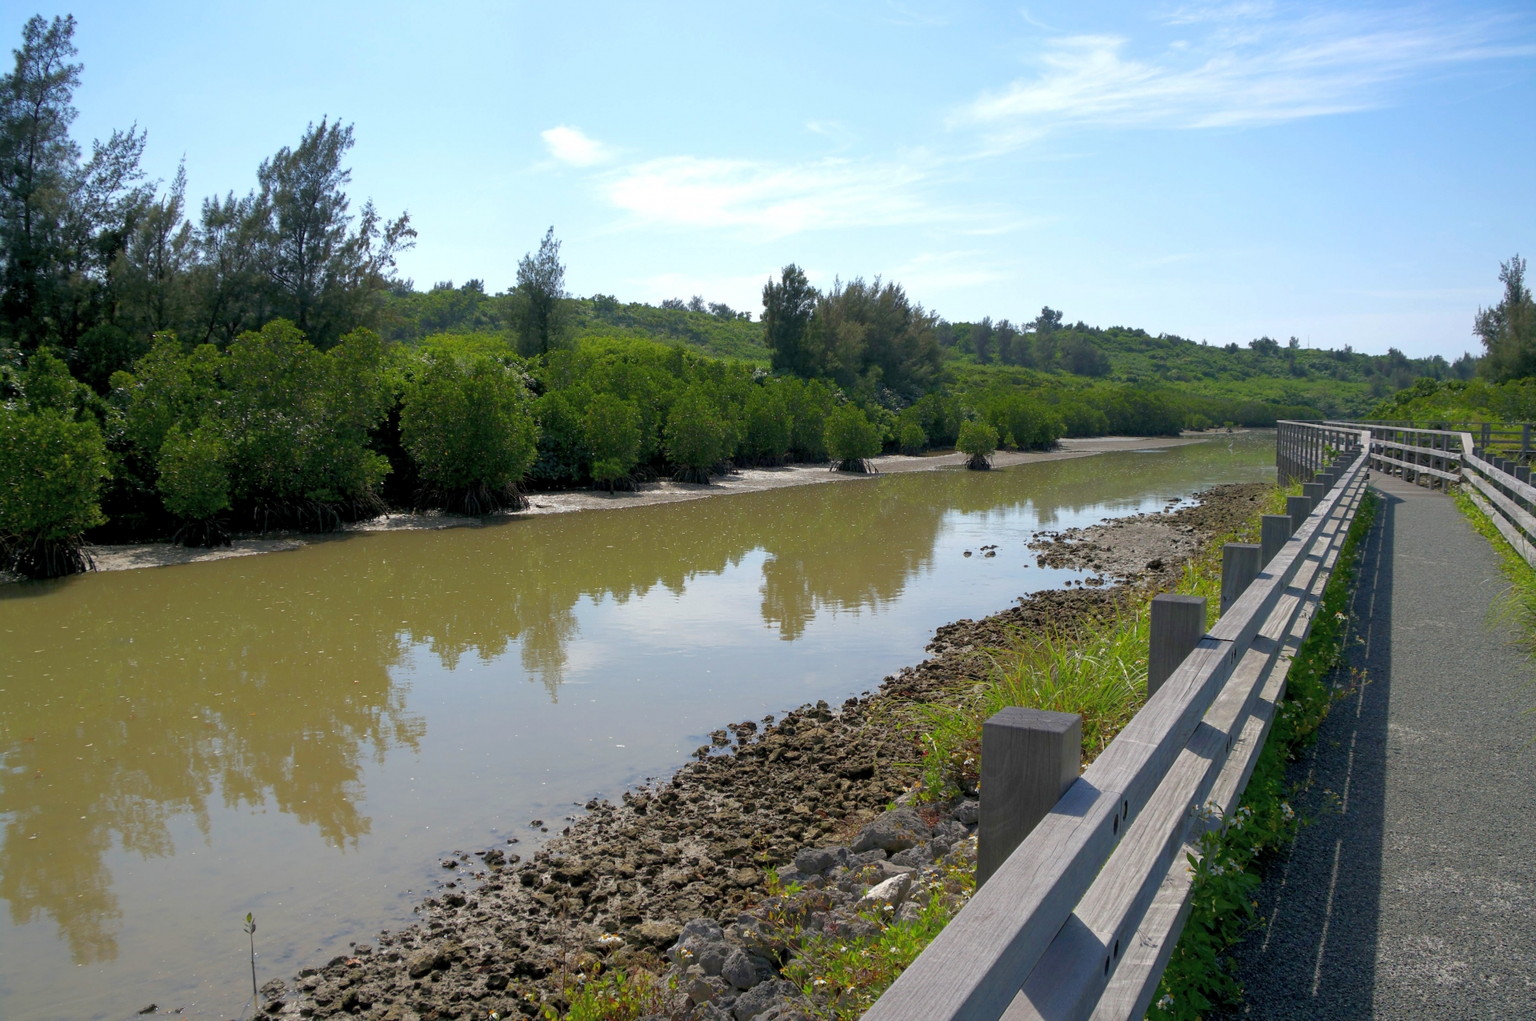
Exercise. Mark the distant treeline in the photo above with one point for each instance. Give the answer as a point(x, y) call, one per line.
point(272, 432)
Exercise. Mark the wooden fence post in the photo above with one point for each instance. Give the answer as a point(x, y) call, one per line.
point(1177, 624)
point(1029, 757)
point(1314, 492)
point(1239, 566)
point(1298, 507)
point(1274, 529)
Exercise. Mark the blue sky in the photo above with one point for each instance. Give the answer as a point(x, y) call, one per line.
point(1344, 173)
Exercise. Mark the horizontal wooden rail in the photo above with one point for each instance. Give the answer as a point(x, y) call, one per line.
point(1079, 920)
point(1500, 488)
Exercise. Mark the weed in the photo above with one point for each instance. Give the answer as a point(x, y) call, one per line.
point(842, 973)
point(610, 996)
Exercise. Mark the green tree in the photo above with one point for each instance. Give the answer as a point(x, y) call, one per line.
point(297, 421)
point(851, 439)
point(194, 483)
point(910, 436)
point(810, 402)
point(698, 436)
point(768, 426)
point(51, 468)
point(787, 309)
point(539, 301)
point(1508, 329)
point(612, 427)
point(62, 222)
point(978, 442)
point(323, 272)
point(468, 426)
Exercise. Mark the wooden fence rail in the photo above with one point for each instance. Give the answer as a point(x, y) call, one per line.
point(1500, 486)
point(1078, 921)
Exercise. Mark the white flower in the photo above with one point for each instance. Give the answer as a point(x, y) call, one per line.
point(1165, 1002)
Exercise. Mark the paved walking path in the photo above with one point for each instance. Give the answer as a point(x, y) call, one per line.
point(1415, 896)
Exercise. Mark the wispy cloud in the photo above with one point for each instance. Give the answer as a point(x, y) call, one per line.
point(572, 146)
point(938, 271)
point(1249, 69)
point(1238, 10)
point(774, 199)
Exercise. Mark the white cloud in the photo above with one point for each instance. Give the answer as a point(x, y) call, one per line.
point(1251, 70)
point(571, 145)
point(1240, 10)
point(943, 271)
point(773, 199)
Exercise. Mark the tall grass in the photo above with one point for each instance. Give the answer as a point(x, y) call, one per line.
point(1097, 669)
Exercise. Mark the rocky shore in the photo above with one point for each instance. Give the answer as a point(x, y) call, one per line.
point(802, 823)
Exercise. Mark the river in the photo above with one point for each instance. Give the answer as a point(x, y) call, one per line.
point(306, 735)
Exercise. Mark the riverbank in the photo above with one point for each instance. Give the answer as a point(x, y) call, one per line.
point(750, 480)
point(615, 890)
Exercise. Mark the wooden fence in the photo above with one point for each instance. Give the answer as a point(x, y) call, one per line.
point(1079, 919)
point(1492, 465)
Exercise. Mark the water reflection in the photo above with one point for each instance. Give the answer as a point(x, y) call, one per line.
point(121, 716)
point(132, 705)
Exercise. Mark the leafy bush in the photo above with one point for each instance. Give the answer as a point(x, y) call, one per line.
point(51, 468)
point(978, 441)
point(851, 438)
point(467, 424)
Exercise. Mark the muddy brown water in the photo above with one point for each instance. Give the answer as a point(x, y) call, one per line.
point(306, 735)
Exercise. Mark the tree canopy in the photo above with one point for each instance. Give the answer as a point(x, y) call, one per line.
point(1508, 329)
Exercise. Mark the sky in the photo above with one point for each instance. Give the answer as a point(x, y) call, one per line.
point(1345, 173)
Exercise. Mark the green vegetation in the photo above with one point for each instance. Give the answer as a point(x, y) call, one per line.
point(1508, 330)
point(1434, 403)
point(851, 439)
point(978, 442)
point(843, 974)
point(1521, 601)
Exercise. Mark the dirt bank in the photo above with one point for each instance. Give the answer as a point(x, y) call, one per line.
point(503, 935)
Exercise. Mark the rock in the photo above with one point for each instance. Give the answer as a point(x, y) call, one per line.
point(888, 893)
point(914, 857)
point(702, 988)
point(658, 934)
point(967, 813)
point(816, 860)
point(762, 998)
point(896, 830)
point(738, 969)
point(423, 963)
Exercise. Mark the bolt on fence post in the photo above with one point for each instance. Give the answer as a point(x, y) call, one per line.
point(1029, 757)
point(1298, 507)
point(1274, 529)
point(1177, 624)
point(1239, 566)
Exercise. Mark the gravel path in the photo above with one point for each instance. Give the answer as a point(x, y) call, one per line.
point(1413, 895)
